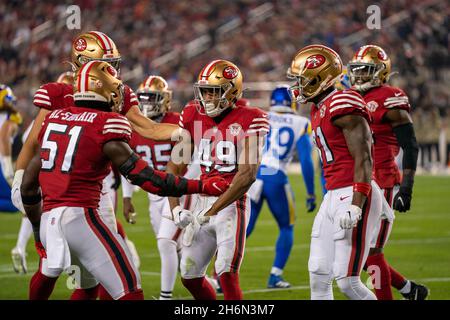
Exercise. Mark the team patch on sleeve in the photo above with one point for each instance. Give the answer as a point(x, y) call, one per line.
point(42, 99)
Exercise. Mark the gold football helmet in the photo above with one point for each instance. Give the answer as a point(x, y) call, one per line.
point(154, 96)
point(316, 68)
point(66, 77)
point(370, 67)
point(218, 87)
point(97, 85)
point(94, 45)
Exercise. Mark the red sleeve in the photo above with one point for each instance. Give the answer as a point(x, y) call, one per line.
point(348, 102)
point(45, 96)
point(396, 99)
point(187, 117)
point(129, 100)
point(115, 127)
point(259, 124)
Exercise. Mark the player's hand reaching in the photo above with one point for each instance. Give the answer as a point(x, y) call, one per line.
point(181, 217)
point(128, 211)
point(310, 202)
point(402, 200)
point(214, 186)
point(349, 218)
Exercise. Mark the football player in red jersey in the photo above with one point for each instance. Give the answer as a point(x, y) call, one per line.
point(348, 214)
point(392, 127)
point(78, 146)
point(229, 140)
point(154, 97)
point(93, 45)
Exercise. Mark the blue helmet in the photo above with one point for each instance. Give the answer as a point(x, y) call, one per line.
point(281, 101)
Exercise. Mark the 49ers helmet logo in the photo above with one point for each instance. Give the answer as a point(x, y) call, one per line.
point(112, 71)
point(382, 55)
point(230, 72)
point(314, 61)
point(80, 44)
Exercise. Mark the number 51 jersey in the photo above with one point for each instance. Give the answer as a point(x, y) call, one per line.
point(73, 164)
point(338, 163)
point(218, 140)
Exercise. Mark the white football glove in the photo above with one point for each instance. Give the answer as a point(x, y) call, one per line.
point(16, 197)
point(201, 218)
point(182, 217)
point(7, 168)
point(350, 217)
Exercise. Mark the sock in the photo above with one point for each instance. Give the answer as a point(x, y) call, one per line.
point(397, 280)
point(407, 288)
point(276, 271)
point(85, 294)
point(169, 266)
point(283, 247)
point(103, 294)
point(25, 232)
point(137, 295)
point(41, 286)
point(380, 275)
point(121, 230)
point(230, 286)
point(199, 288)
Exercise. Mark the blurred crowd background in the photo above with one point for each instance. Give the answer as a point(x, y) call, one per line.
point(176, 38)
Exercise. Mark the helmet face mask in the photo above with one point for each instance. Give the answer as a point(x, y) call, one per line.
point(154, 96)
point(219, 86)
point(370, 67)
point(212, 98)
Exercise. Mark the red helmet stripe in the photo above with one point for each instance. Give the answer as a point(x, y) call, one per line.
point(206, 70)
point(106, 46)
point(83, 80)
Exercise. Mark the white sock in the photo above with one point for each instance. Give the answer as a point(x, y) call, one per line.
point(169, 266)
point(276, 271)
point(406, 288)
point(25, 232)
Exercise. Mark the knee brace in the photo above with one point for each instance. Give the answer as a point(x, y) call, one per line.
point(354, 289)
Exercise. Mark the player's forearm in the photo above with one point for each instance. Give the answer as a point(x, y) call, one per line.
point(30, 191)
point(240, 184)
point(407, 141)
point(305, 157)
point(149, 128)
point(362, 176)
point(175, 169)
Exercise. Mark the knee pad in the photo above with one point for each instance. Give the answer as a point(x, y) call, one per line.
point(166, 245)
point(354, 289)
point(319, 266)
point(321, 286)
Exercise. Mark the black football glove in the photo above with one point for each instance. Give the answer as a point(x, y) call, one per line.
point(402, 200)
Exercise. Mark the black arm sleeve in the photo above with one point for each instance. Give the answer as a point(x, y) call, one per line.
point(407, 140)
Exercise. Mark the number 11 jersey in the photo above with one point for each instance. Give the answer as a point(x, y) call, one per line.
point(338, 163)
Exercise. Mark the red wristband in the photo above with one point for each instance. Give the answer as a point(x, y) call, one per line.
point(362, 187)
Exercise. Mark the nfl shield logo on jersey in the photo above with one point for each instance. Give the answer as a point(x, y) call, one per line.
point(322, 110)
point(372, 106)
point(235, 129)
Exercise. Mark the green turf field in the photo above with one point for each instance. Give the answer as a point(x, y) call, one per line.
point(419, 248)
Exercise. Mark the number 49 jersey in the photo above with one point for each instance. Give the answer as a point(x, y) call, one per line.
point(219, 143)
point(73, 164)
point(338, 163)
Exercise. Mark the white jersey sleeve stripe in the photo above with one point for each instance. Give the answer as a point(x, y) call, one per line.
point(340, 101)
point(347, 95)
point(259, 125)
point(342, 106)
point(396, 105)
point(48, 103)
point(116, 126)
point(38, 95)
point(116, 131)
point(44, 91)
point(124, 121)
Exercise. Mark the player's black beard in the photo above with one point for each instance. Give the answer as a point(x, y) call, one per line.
point(97, 105)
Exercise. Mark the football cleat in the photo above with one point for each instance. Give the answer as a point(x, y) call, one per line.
point(277, 282)
point(214, 282)
point(19, 261)
point(418, 292)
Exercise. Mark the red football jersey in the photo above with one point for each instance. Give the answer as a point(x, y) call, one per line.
point(338, 163)
point(218, 143)
point(380, 100)
point(55, 95)
point(155, 153)
point(73, 163)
